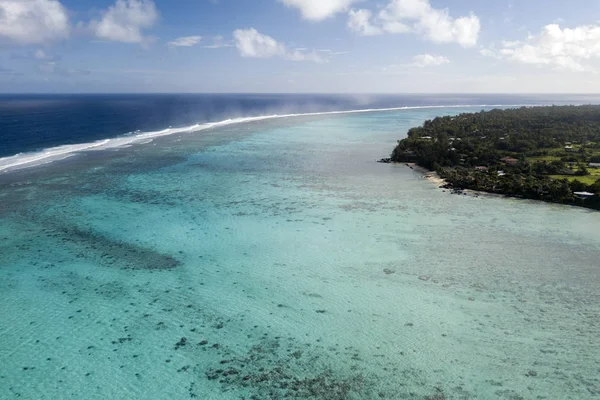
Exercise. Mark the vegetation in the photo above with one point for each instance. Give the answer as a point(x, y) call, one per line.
point(544, 153)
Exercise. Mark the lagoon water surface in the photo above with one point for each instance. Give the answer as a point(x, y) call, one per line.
point(276, 259)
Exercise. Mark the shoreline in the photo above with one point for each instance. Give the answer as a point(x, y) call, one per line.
point(434, 177)
point(431, 176)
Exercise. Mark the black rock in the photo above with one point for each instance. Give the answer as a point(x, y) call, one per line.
point(182, 342)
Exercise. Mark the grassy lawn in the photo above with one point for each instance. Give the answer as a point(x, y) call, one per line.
point(594, 153)
point(588, 179)
point(543, 158)
point(594, 173)
point(554, 153)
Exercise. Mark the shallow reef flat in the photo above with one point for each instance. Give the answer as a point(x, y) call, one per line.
point(278, 260)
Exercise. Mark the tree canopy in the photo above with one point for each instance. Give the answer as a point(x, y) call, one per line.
point(544, 153)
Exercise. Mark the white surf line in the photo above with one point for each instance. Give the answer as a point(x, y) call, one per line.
point(24, 160)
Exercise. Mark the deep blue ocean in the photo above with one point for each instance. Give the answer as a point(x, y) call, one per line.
point(30, 123)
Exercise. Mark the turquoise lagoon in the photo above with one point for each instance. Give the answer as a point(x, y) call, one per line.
point(276, 259)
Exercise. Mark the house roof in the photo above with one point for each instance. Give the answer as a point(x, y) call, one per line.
point(583, 194)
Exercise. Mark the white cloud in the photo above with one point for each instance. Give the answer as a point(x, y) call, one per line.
point(251, 43)
point(219, 42)
point(298, 55)
point(418, 61)
point(33, 21)
point(429, 60)
point(417, 16)
point(570, 49)
point(185, 41)
point(125, 20)
point(489, 53)
point(318, 10)
point(360, 21)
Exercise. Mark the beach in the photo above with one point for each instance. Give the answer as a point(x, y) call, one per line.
point(431, 176)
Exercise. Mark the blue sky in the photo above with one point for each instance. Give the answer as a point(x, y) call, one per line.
point(341, 46)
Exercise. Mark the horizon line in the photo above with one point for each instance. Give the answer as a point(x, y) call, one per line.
point(310, 93)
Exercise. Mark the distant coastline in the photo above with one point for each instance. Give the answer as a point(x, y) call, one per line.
point(547, 153)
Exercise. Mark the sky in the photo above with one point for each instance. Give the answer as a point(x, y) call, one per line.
point(300, 46)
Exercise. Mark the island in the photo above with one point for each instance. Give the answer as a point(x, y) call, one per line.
point(549, 153)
